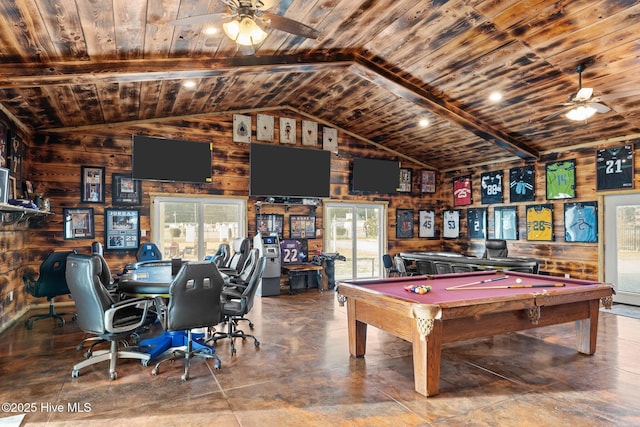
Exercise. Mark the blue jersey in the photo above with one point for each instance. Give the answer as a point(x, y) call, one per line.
point(581, 222)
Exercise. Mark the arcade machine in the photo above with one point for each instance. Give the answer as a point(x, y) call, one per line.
point(269, 247)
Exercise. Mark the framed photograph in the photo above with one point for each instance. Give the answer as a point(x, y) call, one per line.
point(540, 222)
point(3, 146)
point(522, 184)
point(404, 223)
point(491, 187)
point(462, 191)
point(302, 227)
point(614, 168)
point(427, 181)
point(561, 179)
point(505, 221)
point(270, 223)
point(451, 224)
point(427, 224)
point(121, 229)
point(91, 184)
point(78, 223)
point(581, 222)
point(405, 181)
point(12, 191)
point(4, 185)
point(477, 223)
point(126, 191)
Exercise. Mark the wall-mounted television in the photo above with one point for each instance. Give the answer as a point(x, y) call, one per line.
point(375, 175)
point(162, 159)
point(281, 171)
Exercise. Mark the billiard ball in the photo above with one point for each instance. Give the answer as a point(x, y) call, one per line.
point(518, 280)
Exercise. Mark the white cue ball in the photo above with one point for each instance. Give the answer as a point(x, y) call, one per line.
point(518, 280)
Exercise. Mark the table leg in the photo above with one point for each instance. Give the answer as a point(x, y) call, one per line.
point(587, 329)
point(426, 360)
point(357, 331)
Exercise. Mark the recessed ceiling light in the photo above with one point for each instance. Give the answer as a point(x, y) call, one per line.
point(495, 97)
point(424, 123)
point(210, 31)
point(189, 84)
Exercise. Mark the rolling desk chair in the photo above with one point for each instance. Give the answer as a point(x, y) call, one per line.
point(495, 248)
point(389, 269)
point(49, 284)
point(147, 252)
point(100, 315)
point(194, 302)
point(222, 255)
point(240, 246)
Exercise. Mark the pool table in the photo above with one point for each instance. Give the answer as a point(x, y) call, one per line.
point(467, 305)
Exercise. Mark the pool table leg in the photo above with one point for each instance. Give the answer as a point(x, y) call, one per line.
point(357, 331)
point(426, 360)
point(587, 329)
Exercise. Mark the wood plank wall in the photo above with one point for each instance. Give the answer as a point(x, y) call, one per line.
point(52, 162)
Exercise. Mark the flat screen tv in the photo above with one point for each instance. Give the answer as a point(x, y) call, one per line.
point(162, 159)
point(281, 171)
point(375, 176)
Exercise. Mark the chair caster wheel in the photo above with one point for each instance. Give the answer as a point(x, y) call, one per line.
point(216, 365)
point(256, 344)
point(233, 352)
point(74, 318)
point(29, 324)
point(87, 355)
point(61, 323)
point(251, 325)
point(145, 363)
point(184, 377)
point(75, 373)
point(113, 376)
point(79, 347)
point(154, 371)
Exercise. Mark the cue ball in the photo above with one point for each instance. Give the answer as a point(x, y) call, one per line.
point(518, 280)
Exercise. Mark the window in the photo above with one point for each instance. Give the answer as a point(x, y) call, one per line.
point(193, 227)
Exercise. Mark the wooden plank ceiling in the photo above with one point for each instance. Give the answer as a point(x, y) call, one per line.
point(377, 68)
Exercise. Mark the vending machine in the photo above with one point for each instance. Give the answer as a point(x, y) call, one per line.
point(269, 247)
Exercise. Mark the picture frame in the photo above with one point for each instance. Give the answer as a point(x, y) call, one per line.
point(241, 128)
point(581, 222)
point(522, 184)
point(615, 168)
point(78, 223)
point(125, 191)
point(92, 184)
point(404, 223)
point(540, 222)
point(121, 229)
point(405, 181)
point(287, 130)
point(477, 223)
point(270, 223)
point(302, 227)
point(560, 177)
point(427, 223)
point(462, 191)
point(451, 224)
point(427, 181)
point(491, 187)
point(4, 185)
point(3, 146)
point(505, 219)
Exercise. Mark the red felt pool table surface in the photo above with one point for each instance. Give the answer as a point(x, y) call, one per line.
point(465, 306)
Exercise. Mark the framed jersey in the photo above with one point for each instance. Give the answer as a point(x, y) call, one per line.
point(561, 179)
point(451, 224)
point(462, 191)
point(540, 222)
point(505, 219)
point(427, 223)
point(491, 187)
point(477, 223)
point(581, 222)
point(404, 223)
point(614, 168)
point(522, 184)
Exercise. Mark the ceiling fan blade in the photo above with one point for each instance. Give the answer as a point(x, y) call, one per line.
point(617, 95)
point(265, 4)
point(210, 18)
point(557, 113)
point(600, 108)
point(289, 25)
point(583, 94)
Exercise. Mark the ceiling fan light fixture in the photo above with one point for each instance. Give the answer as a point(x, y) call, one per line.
point(245, 31)
point(580, 113)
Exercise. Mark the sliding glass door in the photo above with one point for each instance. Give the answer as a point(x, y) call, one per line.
point(357, 231)
point(622, 246)
point(191, 228)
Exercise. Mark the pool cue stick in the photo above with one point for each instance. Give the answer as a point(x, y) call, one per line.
point(546, 285)
point(478, 282)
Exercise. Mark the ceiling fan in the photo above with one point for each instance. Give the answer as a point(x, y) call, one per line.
point(581, 106)
point(247, 20)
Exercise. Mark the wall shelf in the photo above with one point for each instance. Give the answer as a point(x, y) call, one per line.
point(10, 214)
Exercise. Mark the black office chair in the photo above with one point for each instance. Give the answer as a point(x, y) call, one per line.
point(148, 252)
point(240, 246)
point(194, 302)
point(234, 309)
point(50, 283)
point(389, 268)
point(442, 267)
point(222, 255)
point(100, 315)
point(495, 248)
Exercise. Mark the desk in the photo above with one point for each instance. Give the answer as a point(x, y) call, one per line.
point(443, 316)
point(151, 279)
point(303, 276)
